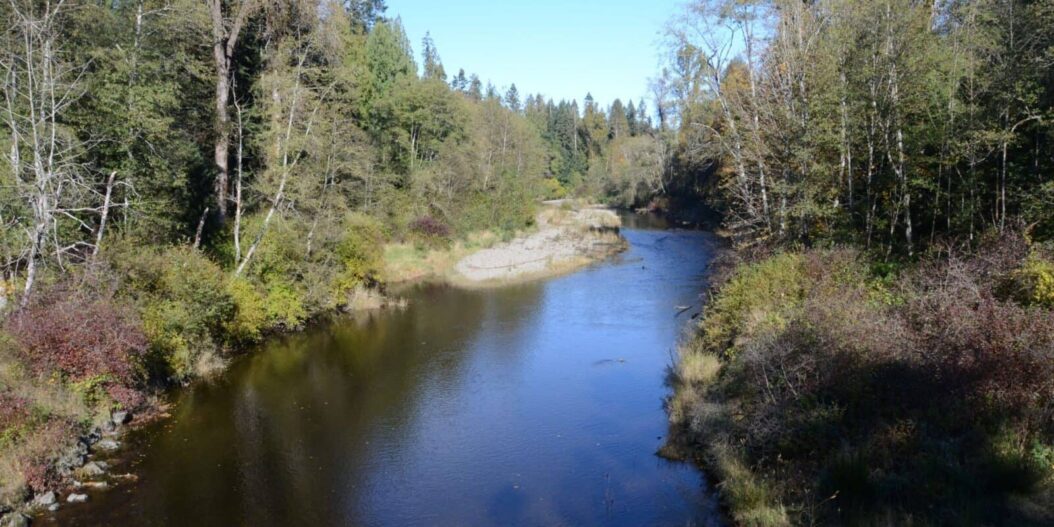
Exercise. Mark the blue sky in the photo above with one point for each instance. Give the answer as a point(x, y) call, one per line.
point(562, 49)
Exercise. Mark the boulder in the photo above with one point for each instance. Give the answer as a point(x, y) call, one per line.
point(15, 519)
point(76, 498)
point(108, 445)
point(92, 469)
point(120, 417)
point(46, 499)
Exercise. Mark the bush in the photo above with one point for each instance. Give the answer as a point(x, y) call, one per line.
point(185, 304)
point(83, 341)
point(361, 253)
point(553, 189)
point(431, 230)
point(1034, 282)
point(251, 316)
point(760, 297)
point(923, 396)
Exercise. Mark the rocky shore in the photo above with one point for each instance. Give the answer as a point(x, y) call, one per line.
point(80, 468)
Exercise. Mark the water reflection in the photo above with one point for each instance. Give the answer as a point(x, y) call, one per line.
point(537, 404)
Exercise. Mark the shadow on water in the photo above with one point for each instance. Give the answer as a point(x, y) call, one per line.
point(538, 404)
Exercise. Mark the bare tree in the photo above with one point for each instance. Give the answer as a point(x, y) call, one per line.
point(49, 181)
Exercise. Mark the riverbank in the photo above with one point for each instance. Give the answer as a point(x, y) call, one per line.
point(55, 435)
point(566, 236)
point(823, 388)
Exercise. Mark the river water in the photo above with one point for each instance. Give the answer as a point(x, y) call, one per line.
point(535, 404)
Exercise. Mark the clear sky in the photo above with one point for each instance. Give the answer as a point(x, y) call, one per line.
point(560, 48)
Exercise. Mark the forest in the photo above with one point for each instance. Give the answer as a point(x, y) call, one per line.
point(878, 349)
point(183, 178)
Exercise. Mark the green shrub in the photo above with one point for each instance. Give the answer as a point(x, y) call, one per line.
point(185, 304)
point(361, 253)
point(553, 189)
point(250, 314)
point(759, 298)
point(284, 305)
point(1034, 282)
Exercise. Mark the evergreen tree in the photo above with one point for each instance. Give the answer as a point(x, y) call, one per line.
point(475, 88)
point(512, 98)
point(432, 64)
point(460, 82)
point(631, 119)
point(617, 120)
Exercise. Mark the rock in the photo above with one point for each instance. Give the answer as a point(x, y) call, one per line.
point(76, 498)
point(46, 499)
point(54, 507)
point(92, 437)
point(15, 519)
point(92, 469)
point(108, 445)
point(120, 417)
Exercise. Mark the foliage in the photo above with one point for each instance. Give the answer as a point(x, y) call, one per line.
point(892, 124)
point(184, 301)
point(848, 408)
point(360, 253)
point(1034, 282)
point(95, 344)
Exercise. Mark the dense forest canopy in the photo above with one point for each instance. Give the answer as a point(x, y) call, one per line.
point(213, 122)
point(893, 123)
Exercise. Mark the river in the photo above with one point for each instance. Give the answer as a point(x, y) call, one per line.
point(535, 404)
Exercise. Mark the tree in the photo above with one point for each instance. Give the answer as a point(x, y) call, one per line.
point(433, 65)
point(53, 195)
point(228, 22)
point(619, 123)
point(512, 99)
point(460, 82)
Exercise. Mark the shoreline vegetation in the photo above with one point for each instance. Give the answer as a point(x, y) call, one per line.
point(878, 348)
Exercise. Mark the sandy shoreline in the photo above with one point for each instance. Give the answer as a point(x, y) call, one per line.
point(567, 238)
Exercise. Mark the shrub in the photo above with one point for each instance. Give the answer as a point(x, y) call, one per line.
point(922, 395)
point(285, 306)
point(758, 298)
point(1034, 282)
point(250, 312)
point(430, 228)
point(361, 252)
point(185, 304)
point(82, 340)
point(553, 189)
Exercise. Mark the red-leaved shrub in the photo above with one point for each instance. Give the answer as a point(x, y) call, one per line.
point(13, 410)
point(81, 339)
point(430, 227)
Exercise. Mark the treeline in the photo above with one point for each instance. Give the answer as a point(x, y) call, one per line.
point(210, 123)
point(879, 351)
point(891, 124)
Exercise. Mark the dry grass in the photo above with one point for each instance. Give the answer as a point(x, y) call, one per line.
point(408, 262)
